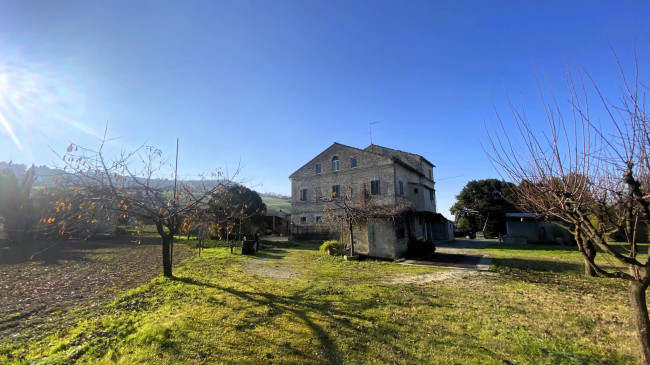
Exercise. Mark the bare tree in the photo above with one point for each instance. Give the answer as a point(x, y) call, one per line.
point(592, 176)
point(200, 221)
point(343, 212)
point(129, 185)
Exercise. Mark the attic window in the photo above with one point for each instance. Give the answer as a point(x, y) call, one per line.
point(335, 163)
point(353, 162)
point(318, 168)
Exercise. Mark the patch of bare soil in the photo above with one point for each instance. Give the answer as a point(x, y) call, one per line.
point(260, 266)
point(50, 289)
point(450, 275)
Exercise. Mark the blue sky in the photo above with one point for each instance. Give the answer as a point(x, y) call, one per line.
point(273, 83)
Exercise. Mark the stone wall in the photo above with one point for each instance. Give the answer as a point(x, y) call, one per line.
point(308, 219)
point(311, 211)
point(413, 181)
point(378, 239)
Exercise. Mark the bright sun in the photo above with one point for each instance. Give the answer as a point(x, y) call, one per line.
point(39, 100)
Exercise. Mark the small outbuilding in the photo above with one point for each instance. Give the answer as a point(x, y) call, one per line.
point(530, 228)
point(276, 222)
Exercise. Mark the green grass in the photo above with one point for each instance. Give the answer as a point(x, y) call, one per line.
point(292, 304)
point(277, 203)
point(558, 259)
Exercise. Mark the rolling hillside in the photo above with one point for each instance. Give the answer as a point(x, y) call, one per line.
point(277, 203)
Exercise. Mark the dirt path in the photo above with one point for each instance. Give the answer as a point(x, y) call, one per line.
point(259, 266)
point(37, 295)
point(450, 275)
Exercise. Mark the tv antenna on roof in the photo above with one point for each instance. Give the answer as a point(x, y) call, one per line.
point(371, 131)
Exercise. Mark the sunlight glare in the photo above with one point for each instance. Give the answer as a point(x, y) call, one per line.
point(39, 101)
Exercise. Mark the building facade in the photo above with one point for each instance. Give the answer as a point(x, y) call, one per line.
point(389, 176)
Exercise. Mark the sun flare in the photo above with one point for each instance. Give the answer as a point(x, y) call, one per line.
point(38, 100)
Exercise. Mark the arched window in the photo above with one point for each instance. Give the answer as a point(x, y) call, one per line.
point(335, 163)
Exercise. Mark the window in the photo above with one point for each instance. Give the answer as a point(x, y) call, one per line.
point(317, 219)
point(430, 174)
point(335, 163)
point(318, 168)
point(336, 191)
point(353, 162)
point(303, 195)
point(401, 188)
point(303, 220)
point(374, 187)
point(431, 195)
point(415, 191)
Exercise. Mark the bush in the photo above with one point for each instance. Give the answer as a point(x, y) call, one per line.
point(336, 245)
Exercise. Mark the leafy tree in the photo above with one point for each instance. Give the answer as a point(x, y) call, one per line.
point(483, 203)
point(228, 211)
point(16, 207)
point(592, 176)
point(247, 208)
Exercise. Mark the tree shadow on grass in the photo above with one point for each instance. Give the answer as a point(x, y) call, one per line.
point(283, 304)
point(14, 321)
point(309, 246)
point(306, 304)
point(538, 265)
point(272, 254)
point(532, 247)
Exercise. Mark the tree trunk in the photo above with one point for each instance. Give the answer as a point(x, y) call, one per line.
point(590, 253)
point(167, 256)
point(351, 239)
point(166, 249)
point(637, 293)
point(171, 253)
point(589, 270)
point(586, 247)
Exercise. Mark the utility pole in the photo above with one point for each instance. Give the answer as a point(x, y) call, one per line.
point(174, 208)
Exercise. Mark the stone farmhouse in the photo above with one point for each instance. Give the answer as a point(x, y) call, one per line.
point(390, 176)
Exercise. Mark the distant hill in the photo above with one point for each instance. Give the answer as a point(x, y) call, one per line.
point(42, 174)
point(277, 203)
point(43, 177)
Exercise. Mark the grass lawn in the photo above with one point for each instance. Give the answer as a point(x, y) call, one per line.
point(277, 203)
point(292, 304)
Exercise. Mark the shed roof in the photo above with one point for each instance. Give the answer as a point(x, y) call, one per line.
point(521, 215)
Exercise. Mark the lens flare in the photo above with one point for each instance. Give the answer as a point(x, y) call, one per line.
point(39, 100)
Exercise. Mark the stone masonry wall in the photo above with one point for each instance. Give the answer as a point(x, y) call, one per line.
point(319, 186)
point(308, 216)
